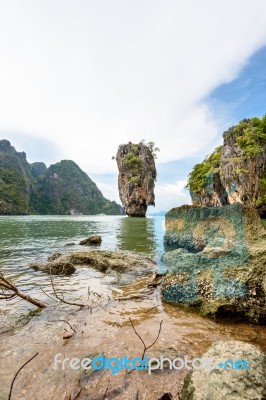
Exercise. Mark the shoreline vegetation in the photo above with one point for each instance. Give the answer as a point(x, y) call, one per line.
point(137, 310)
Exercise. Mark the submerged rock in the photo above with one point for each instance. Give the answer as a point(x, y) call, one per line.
point(59, 266)
point(223, 382)
point(95, 239)
point(216, 261)
point(137, 174)
point(104, 261)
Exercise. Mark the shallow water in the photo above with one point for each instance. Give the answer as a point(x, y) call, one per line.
point(33, 238)
point(105, 329)
point(25, 239)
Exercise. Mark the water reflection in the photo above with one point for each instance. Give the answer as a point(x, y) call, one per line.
point(137, 234)
point(33, 238)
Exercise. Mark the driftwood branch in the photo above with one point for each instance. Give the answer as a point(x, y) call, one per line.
point(13, 380)
point(60, 298)
point(145, 347)
point(13, 291)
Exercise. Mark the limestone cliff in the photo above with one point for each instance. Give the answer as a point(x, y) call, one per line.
point(15, 180)
point(243, 163)
point(137, 174)
point(66, 189)
point(236, 171)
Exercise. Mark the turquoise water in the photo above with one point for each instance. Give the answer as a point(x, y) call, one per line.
point(25, 239)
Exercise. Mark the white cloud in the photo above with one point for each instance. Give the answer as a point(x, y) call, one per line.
point(170, 195)
point(89, 75)
point(109, 190)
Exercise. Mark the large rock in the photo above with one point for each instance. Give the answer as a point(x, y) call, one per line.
point(104, 261)
point(222, 382)
point(118, 261)
point(216, 261)
point(137, 174)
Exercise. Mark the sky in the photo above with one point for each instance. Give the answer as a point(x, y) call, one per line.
point(78, 78)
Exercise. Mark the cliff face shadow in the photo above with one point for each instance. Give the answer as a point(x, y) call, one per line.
point(137, 234)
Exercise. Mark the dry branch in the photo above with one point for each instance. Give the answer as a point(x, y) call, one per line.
point(62, 299)
point(144, 345)
point(13, 380)
point(13, 291)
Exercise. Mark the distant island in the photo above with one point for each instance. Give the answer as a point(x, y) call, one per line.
point(61, 189)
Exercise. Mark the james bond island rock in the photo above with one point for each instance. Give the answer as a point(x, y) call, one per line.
point(216, 261)
point(137, 175)
point(236, 171)
point(63, 188)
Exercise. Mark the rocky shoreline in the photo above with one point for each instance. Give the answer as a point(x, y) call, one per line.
point(103, 326)
point(226, 276)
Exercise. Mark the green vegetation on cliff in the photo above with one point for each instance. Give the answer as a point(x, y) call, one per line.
point(137, 174)
point(250, 135)
point(15, 180)
point(63, 188)
point(240, 163)
point(198, 176)
point(66, 189)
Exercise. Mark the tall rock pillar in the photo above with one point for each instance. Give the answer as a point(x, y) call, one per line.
point(136, 180)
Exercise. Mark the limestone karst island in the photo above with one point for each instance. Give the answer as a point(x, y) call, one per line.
point(132, 200)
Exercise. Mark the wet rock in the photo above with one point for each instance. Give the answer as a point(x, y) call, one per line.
point(59, 266)
point(216, 261)
point(54, 256)
point(104, 261)
point(111, 260)
point(70, 244)
point(222, 382)
point(137, 174)
point(92, 240)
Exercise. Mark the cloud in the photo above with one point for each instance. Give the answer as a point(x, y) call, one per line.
point(109, 190)
point(89, 75)
point(169, 195)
